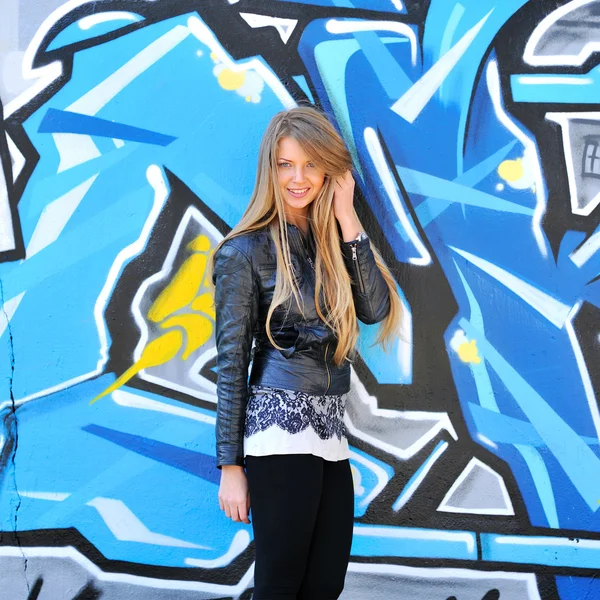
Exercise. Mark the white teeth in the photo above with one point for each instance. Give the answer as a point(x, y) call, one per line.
point(299, 191)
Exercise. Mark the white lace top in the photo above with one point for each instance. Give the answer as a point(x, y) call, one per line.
point(287, 422)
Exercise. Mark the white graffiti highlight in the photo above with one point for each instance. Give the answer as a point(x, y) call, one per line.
point(284, 27)
point(413, 485)
point(51, 496)
point(478, 490)
point(157, 180)
point(486, 440)
point(100, 95)
point(336, 27)
point(492, 78)
point(382, 477)
point(7, 312)
point(239, 543)
point(7, 236)
point(588, 249)
point(129, 400)
point(583, 370)
point(555, 311)
point(55, 217)
point(74, 149)
point(16, 157)
point(383, 171)
point(414, 100)
point(115, 15)
point(126, 527)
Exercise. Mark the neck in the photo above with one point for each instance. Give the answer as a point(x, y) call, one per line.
point(298, 219)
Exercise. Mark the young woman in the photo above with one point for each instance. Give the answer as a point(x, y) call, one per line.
point(293, 276)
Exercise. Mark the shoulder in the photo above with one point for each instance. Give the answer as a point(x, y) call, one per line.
point(240, 252)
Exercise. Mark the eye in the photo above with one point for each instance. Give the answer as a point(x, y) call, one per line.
point(311, 165)
point(284, 164)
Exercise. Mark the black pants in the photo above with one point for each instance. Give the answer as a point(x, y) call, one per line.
point(302, 511)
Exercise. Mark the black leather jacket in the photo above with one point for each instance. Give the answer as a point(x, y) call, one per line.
point(244, 278)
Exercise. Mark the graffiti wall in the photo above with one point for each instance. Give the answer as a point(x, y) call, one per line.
point(129, 138)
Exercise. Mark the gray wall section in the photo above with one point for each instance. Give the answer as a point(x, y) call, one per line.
point(19, 21)
point(66, 578)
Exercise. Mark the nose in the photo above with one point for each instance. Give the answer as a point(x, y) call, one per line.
point(299, 174)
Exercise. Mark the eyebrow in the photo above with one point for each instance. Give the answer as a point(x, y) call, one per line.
point(289, 160)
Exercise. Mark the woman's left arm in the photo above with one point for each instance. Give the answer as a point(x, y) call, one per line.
point(369, 288)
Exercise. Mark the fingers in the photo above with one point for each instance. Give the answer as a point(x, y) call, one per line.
point(243, 513)
point(237, 512)
point(345, 179)
point(234, 497)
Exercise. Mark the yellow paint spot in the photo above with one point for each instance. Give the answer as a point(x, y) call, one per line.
point(231, 80)
point(468, 352)
point(248, 98)
point(511, 170)
point(214, 56)
point(156, 352)
point(181, 289)
point(199, 244)
point(197, 327)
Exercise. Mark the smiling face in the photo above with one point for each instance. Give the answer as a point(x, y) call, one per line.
point(299, 179)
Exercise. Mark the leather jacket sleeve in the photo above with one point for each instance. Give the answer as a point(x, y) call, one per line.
point(236, 305)
point(370, 291)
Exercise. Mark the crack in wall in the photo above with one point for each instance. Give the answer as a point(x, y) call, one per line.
point(16, 429)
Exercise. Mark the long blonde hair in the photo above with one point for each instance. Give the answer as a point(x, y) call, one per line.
point(266, 209)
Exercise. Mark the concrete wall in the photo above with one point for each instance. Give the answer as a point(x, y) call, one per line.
point(128, 148)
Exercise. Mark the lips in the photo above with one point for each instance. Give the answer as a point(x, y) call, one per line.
point(298, 193)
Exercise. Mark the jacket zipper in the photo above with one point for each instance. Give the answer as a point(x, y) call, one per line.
point(327, 367)
point(361, 286)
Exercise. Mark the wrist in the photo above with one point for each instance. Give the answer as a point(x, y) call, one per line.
point(350, 228)
point(233, 469)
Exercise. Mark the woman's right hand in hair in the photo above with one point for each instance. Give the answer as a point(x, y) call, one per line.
point(234, 497)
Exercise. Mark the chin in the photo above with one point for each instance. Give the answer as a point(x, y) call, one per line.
point(299, 203)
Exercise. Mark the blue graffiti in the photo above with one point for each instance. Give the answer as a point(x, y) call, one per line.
point(456, 186)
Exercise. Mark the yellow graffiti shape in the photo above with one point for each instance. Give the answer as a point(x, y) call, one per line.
point(197, 328)
point(181, 290)
point(468, 352)
point(231, 80)
point(206, 304)
point(157, 352)
point(511, 170)
point(199, 244)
